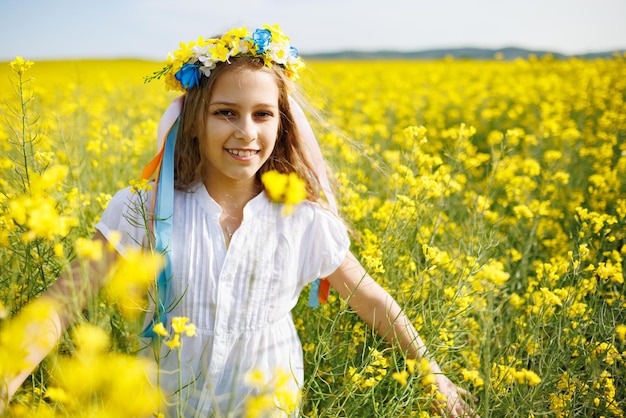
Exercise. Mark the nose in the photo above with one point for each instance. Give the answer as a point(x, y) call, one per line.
point(246, 129)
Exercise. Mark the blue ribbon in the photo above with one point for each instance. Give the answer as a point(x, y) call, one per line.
point(314, 300)
point(163, 213)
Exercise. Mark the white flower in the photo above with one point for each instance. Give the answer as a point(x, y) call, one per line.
point(201, 51)
point(279, 53)
point(242, 47)
point(206, 69)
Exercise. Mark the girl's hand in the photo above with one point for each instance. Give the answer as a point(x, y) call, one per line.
point(456, 404)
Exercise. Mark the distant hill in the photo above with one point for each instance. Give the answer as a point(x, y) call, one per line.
point(508, 53)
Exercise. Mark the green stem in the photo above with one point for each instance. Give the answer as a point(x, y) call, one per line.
point(23, 103)
point(179, 407)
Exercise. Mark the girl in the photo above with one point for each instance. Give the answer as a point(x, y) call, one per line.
point(237, 261)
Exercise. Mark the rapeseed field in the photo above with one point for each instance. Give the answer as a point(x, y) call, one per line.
point(488, 197)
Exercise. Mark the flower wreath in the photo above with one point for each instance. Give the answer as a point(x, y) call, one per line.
point(194, 59)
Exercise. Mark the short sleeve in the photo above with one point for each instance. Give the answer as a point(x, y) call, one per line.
point(326, 245)
point(127, 215)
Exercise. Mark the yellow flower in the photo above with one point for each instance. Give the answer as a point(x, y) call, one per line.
point(259, 406)
point(473, 376)
point(20, 65)
point(275, 184)
point(296, 190)
point(190, 330)
point(620, 330)
point(532, 378)
point(410, 365)
point(92, 379)
point(129, 280)
point(400, 377)
point(179, 325)
point(256, 379)
point(58, 249)
point(526, 376)
point(286, 396)
point(288, 189)
point(608, 351)
point(274, 392)
point(174, 342)
point(88, 249)
point(159, 329)
point(59, 395)
point(90, 339)
point(220, 52)
point(428, 379)
point(142, 185)
point(30, 328)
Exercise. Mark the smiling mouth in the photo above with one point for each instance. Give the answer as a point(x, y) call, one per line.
point(242, 153)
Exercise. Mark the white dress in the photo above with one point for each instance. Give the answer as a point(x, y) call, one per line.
point(240, 298)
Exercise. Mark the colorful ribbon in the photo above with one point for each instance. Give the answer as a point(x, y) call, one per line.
point(163, 204)
point(320, 288)
point(162, 167)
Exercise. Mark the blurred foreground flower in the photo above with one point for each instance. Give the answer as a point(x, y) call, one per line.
point(95, 382)
point(288, 189)
point(29, 331)
point(130, 279)
point(275, 392)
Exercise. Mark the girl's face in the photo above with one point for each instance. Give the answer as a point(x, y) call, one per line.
point(241, 128)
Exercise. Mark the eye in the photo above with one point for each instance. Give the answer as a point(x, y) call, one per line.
point(264, 114)
point(224, 112)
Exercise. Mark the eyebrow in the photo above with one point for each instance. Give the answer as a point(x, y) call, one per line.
point(220, 103)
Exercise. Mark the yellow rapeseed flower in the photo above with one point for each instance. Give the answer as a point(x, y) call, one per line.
point(60, 395)
point(90, 339)
point(159, 329)
point(410, 365)
point(400, 377)
point(608, 353)
point(130, 279)
point(620, 330)
point(180, 325)
point(428, 379)
point(473, 376)
point(287, 189)
point(88, 249)
point(256, 379)
point(20, 65)
point(96, 380)
point(174, 342)
point(260, 406)
point(137, 186)
point(32, 327)
point(274, 392)
point(527, 376)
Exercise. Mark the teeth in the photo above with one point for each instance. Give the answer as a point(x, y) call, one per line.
point(242, 153)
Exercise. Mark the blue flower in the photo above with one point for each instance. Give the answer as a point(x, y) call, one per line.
point(189, 76)
point(293, 51)
point(261, 38)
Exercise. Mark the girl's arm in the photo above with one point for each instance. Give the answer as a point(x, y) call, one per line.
point(36, 329)
point(383, 314)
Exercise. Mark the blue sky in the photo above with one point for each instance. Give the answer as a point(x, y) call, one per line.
point(48, 29)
